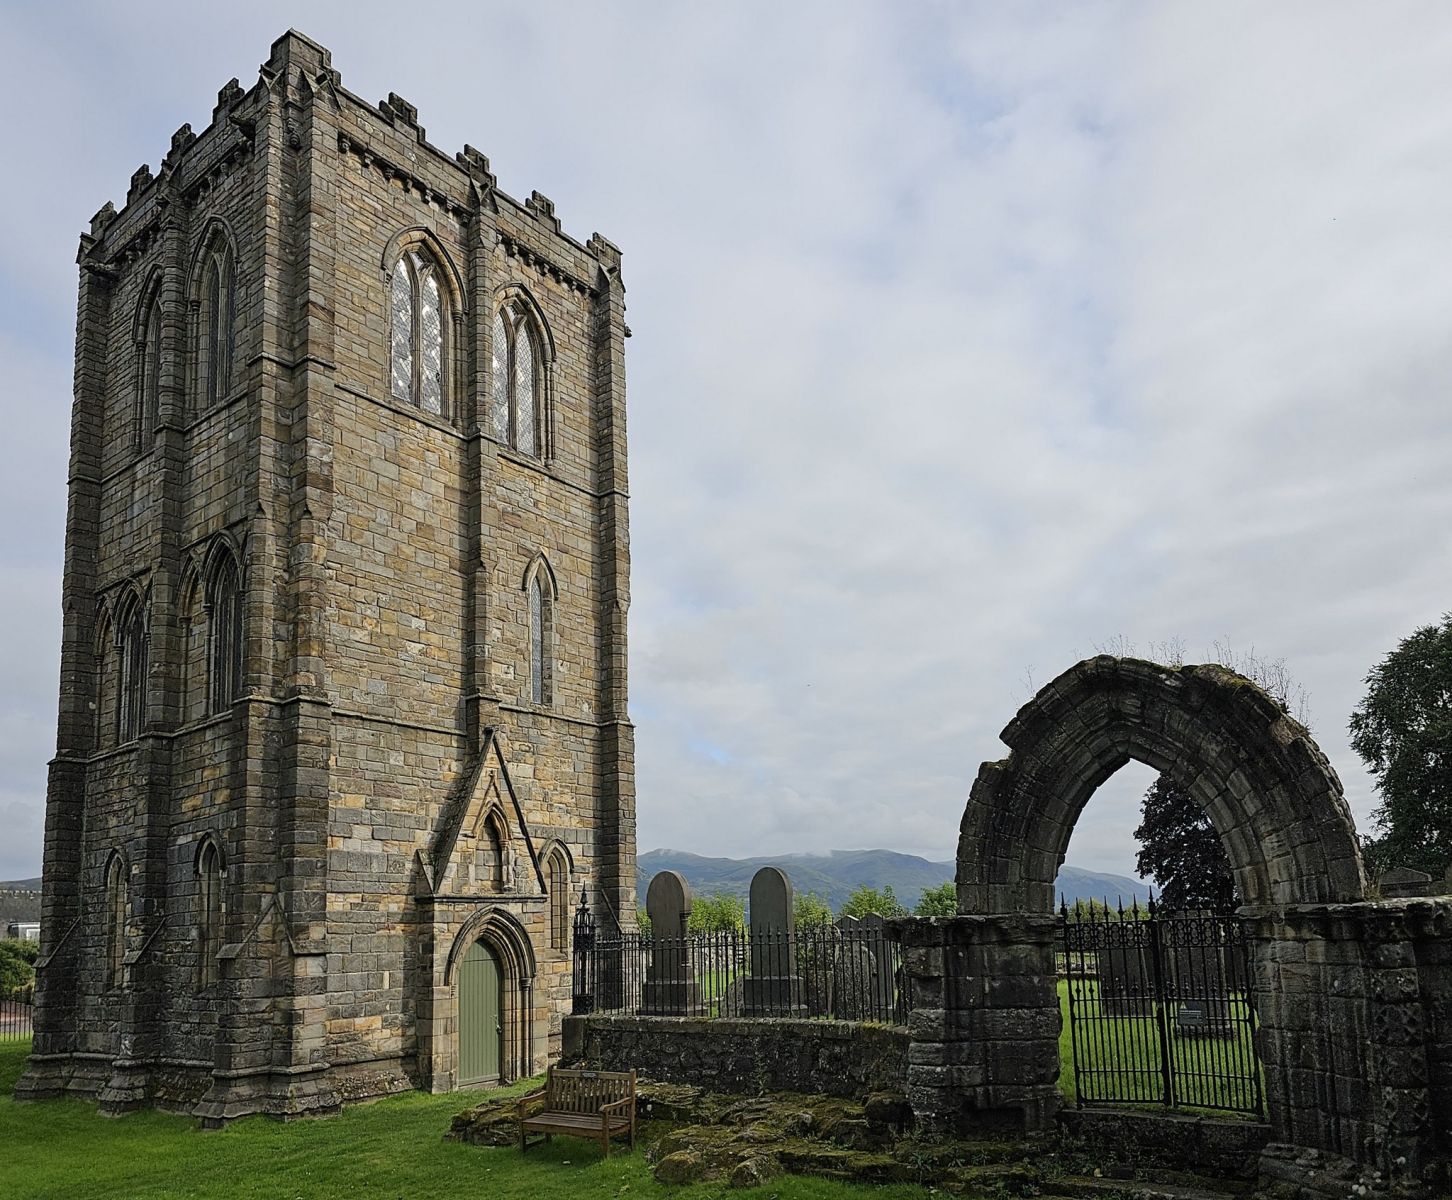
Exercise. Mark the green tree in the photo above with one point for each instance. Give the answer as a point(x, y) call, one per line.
point(17, 965)
point(812, 912)
point(940, 901)
point(717, 914)
point(1180, 848)
point(1403, 732)
point(866, 900)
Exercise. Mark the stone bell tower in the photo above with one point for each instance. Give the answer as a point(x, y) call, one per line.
point(343, 729)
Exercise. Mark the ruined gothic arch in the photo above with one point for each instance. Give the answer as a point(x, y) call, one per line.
point(1266, 786)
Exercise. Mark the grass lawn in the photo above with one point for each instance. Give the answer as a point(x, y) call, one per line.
point(390, 1150)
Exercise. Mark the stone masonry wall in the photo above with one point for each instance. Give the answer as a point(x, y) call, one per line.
point(746, 1057)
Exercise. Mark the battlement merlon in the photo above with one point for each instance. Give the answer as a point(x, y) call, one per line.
point(301, 70)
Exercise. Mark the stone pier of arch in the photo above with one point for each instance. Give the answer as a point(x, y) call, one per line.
point(1353, 996)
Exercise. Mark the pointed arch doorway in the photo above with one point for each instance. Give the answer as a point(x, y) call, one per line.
point(481, 1017)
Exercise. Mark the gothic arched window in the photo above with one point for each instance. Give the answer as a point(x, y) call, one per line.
point(195, 636)
point(115, 919)
point(224, 626)
point(491, 858)
point(215, 342)
point(107, 687)
point(148, 372)
point(209, 911)
point(541, 630)
point(416, 333)
point(515, 398)
point(557, 885)
point(132, 655)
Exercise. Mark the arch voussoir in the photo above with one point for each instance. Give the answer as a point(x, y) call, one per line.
point(1267, 788)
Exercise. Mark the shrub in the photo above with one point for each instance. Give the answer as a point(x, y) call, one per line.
point(17, 965)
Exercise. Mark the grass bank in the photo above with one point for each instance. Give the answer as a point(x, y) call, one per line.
point(389, 1150)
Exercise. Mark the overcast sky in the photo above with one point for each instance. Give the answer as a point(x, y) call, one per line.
point(967, 339)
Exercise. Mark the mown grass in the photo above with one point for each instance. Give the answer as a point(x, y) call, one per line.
point(388, 1150)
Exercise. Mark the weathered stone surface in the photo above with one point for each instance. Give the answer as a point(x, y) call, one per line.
point(385, 783)
point(753, 1172)
point(670, 976)
point(750, 1055)
point(681, 1166)
point(774, 986)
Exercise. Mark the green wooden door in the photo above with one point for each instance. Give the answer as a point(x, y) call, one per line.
point(479, 1025)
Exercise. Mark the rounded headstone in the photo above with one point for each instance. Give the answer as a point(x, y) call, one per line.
point(668, 901)
point(771, 900)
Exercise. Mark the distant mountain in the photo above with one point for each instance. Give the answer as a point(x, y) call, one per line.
point(21, 885)
point(836, 875)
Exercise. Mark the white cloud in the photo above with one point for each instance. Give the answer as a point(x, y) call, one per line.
point(965, 341)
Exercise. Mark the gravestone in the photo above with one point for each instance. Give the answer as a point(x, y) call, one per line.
point(875, 937)
point(1126, 988)
point(670, 975)
point(1403, 883)
point(1195, 957)
point(862, 982)
point(774, 987)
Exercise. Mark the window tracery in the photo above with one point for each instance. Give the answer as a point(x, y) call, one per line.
point(416, 333)
point(224, 628)
point(148, 372)
point(132, 647)
point(215, 344)
point(515, 387)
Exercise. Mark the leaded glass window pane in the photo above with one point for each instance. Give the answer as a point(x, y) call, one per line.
point(401, 334)
point(227, 325)
point(151, 371)
point(499, 397)
point(536, 642)
point(431, 353)
point(214, 332)
point(524, 420)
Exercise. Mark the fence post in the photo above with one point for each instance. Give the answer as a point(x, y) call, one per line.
point(1162, 1004)
point(584, 990)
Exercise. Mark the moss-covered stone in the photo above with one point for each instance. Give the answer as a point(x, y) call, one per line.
point(684, 1166)
point(491, 1124)
point(753, 1172)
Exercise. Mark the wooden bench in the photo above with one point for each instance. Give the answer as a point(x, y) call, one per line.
point(592, 1104)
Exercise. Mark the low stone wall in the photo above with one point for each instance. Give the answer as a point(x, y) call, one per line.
point(745, 1057)
point(1224, 1149)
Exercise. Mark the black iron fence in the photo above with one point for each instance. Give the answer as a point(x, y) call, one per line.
point(15, 1011)
point(1159, 1008)
point(851, 973)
